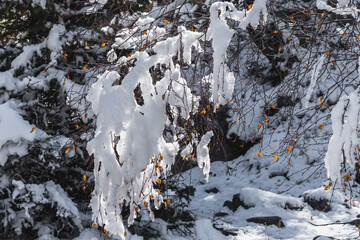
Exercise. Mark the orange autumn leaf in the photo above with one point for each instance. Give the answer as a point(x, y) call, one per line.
point(125, 234)
point(168, 201)
point(289, 148)
point(67, 150)
point(276, 158)
point(103, 44)
point(347, 178)
point(86, 115)
point(259, 126)
point(250, 6)
point(146, 204)
point(266, 120)
point(321, 126)
point(84, 177)
point(259, 154)
point(203, 111)
point(84, 67)
point(32, 130)
point(327, 188)
point(158, 181)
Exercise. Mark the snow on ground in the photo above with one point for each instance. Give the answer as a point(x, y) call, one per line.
point(266, 197)
point(206, 204)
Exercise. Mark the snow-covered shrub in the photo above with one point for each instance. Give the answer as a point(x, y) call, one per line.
point(137, 125)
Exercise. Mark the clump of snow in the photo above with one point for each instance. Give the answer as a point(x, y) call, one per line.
point(111, 56)
point(54, 43)
point(28, 51)
point(342, 8)
point(322, 194)
point(65, 206)
point(16, 132)
point(19, 187)
point(42, 3)
point(8, 81)
point(202, 153)
point(37, 192)
point(222, 80)
point(189, 39)
point(314, 78)
point(344, 141)
point(4, 181)
point(254, 197)
point(96, 6)
point(253, 15)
